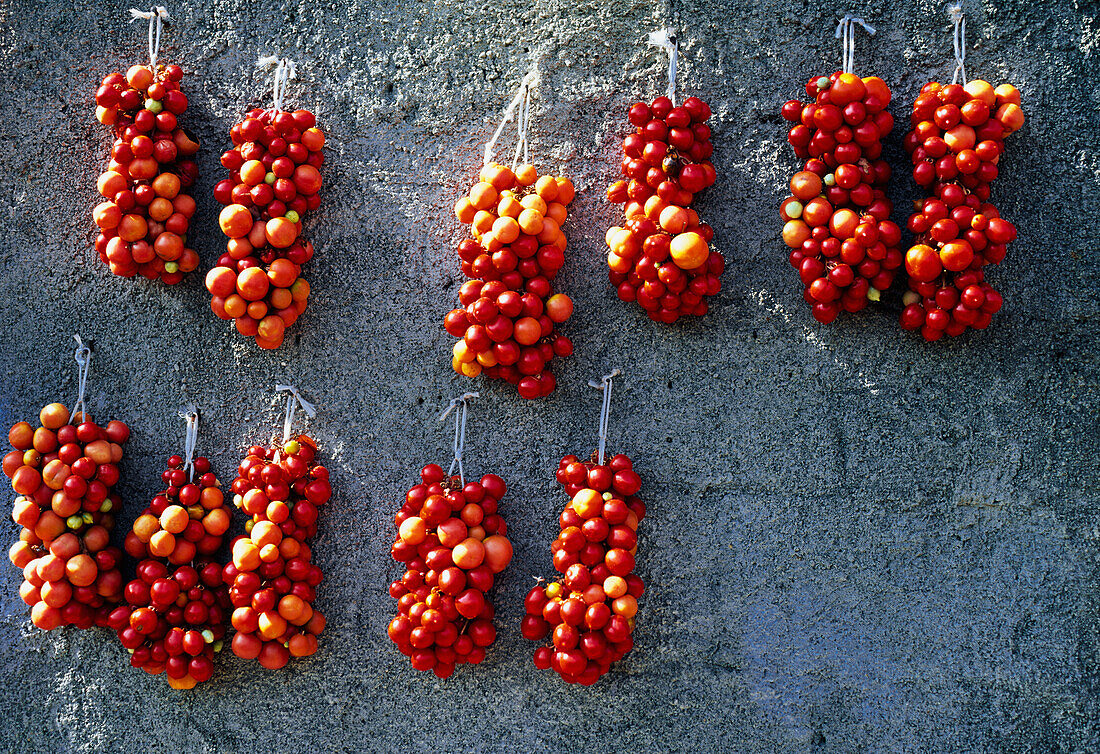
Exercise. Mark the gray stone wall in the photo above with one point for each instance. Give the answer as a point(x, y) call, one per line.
point(856, 541)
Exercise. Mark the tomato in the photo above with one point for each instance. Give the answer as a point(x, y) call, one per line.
point(923, 263)
point(235, 220)
point(498, 552)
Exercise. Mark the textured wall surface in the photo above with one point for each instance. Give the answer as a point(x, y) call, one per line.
point(857, 541)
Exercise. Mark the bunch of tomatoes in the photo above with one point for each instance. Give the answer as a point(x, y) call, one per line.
point(274, 180)
point(956, 142)
point(661, 257)
point(843, 244)
point(589, 612)
point(144, 218)
point(453, 542)
point(177, 608)
point(507, 324)
point(64, 472)
point(272, 579)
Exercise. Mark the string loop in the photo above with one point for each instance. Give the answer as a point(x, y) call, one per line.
point(462, 404)
point(84, 364)
point(605, 411)
point(191, 438)
point(520, 106)
point(666, 38)
point(156, 15)
point(293, 402)
point(846, 30)
point(958, 35)
point(285, 70)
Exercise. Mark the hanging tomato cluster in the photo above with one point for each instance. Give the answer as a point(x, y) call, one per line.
point(272, 577)
point(144, 218)
point(956, 141)
point(662, 258)
point(507, 325)
point(64, 472)
point(453, 542)
point(843, 243)
point(274, 180)
point(589, 612)
point(178, 606)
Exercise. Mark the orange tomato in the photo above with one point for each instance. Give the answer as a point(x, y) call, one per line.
point(235, 220)
point(132, 228)
point(166, 185)
point(559, 307)
point(216, 522)
point(281, 233)
point(266, 533)
point(527, 331)
point(877, 87)
point(956, 255)
point(252, 284)
point(498, 552)
point(530, 221)
point(253, 173)
point(805, 185)
point(526, 175)
point(1011, 116)
point(483, 195)
point(843, 223)
point(506, 229)
point(673, 219)
point(689, 251)
point(162, 544)
point(271, 625)
point(817, 212)
point(465, 210)
point(566, 190)
point(246, 555)
point(469, 553)
point(271, 328)
point(848, 87)
point(587, 503)
point(146, 526)
point(1007, 94)
point(110, 183)
point(923, 263)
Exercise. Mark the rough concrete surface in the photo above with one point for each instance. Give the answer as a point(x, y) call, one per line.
point(856, 541)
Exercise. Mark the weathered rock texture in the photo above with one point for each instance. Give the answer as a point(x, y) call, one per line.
point(856, 541)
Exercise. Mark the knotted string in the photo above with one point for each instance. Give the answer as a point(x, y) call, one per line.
point(523, 117)
point(959, 38)
point(285, 70)
point(666, 38)
point(293, 402)
point(460, 430)
point(846, 30)
point(84, 364)
point(191, 439)
point(521, 103)
point(156, 15)
point(605, 411)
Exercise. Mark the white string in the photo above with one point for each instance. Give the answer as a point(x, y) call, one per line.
point(605, 411)
point(523, 117)
point(666, 38)
point(846, 30)
point(959, 38)
point(156, 15)
point(285, 70)
point(293, 402)
point(525, 86)
point(191, 439)
point(460, 431)
point(84, 363)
